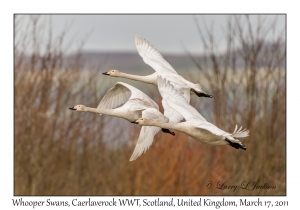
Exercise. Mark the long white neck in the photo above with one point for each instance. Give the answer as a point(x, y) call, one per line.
point(150, 79)
point(111, 112)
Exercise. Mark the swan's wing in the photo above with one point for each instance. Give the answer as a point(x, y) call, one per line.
point(145, 140)
point(179, 83)
point(152, 57)
point(182, 90)
point(147, 133)
point(119, 94)
point(115, 97)
point(176, 101)
point(140, 96)
point(173, 115)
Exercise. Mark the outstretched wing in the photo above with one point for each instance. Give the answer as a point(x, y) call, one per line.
point(152, 57)
point(147, 133)
point(115, 97)
point(173, 115)
point(119, 94)
point(176, 101)
point(145, 140)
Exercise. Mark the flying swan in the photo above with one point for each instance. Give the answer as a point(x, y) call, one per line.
point(194, 125)
point(162, 68)
point(127, 102)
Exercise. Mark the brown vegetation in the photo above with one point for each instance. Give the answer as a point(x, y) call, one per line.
point(60, 152)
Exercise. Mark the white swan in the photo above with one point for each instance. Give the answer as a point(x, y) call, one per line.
point(195, 125)
point(163, 69)
point(129, 103)
point(154, 59)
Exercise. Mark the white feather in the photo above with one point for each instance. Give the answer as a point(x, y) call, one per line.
point(151, 56)
point(122, 93)
point(176, 101)
point(145, 140)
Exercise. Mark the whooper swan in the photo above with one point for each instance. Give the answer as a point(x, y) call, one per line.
point(194, 125)
point(162, 68)
point(129, 103)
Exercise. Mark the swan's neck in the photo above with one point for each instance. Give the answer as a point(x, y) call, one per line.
point(150, 79)
point(111, 112)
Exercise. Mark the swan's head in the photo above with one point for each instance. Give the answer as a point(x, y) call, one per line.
point(78, 108)
point(141, 121)
point(113, 73)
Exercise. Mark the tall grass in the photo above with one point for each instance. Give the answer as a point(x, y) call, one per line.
point(59, 152)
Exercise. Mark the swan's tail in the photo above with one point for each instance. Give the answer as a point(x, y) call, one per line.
point(240, 133)
point(237, 133)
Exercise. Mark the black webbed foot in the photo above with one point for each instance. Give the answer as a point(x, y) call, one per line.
point(199, 94)
point(235, 145)
point(204, 95)
point(167, 131)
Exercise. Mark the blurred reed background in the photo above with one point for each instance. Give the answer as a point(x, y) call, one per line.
point(60, 152)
